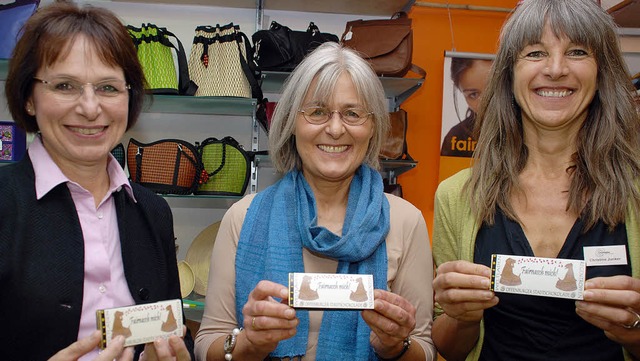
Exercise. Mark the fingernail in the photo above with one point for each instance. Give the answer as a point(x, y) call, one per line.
point(485, 283)
point(587, 295)
point(589, 284)
point(284, 293)
point(290, 313)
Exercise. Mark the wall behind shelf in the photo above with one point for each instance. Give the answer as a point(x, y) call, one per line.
point(182, 21)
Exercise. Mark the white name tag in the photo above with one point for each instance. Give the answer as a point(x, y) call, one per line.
point(605, 255)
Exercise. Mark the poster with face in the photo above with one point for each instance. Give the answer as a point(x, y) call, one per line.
point(465, 77)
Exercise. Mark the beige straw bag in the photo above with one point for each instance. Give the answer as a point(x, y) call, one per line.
point(220, 63)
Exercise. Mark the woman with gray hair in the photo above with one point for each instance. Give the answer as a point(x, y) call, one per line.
point(328, 214)
point(555, 175)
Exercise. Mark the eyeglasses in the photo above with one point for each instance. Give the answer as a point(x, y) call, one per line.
point(111, 91)
point(321, 115)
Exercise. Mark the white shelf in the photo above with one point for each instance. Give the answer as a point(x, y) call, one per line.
point(368, 7)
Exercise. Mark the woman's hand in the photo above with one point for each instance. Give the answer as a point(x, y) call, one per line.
point(463, 290)
point(268, 321)
point(613, 304)
point(391, 321)
point(84, 346)
point(162, 349)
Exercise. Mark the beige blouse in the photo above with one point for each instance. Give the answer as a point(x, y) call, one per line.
point(410, 274)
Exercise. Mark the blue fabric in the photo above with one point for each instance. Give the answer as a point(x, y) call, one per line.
point(281, 220)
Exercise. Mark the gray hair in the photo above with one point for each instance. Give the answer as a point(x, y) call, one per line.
point(324, 66)
point(606, 162)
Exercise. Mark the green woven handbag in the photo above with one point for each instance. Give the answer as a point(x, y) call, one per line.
point(227, 167)
point(155, 53)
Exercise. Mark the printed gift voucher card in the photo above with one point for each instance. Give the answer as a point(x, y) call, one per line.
point(331, 291)
point(537, 276)
point(142, 323)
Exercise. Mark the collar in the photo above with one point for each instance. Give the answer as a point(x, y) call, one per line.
point(48, 175)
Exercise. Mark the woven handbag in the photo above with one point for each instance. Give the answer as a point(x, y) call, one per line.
point(227, 166)
point(221, 63)
point(12, 18)
point(167, 166)
point(156, 55)
point(118, 153)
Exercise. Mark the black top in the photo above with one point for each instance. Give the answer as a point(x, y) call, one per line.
point(42, 261)
point(525, 327)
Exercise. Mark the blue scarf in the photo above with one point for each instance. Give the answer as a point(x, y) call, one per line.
point(281, 220)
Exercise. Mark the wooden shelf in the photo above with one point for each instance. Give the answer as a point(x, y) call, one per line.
point(368, 7)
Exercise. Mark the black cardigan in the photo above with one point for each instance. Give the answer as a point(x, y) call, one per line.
point(42, 261)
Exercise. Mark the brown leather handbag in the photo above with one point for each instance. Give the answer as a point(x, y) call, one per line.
point(394, 145)
point(387, 44)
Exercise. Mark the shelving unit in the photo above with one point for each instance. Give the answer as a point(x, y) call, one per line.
point(369, 7)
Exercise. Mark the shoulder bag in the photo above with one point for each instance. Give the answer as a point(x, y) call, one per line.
point(226, 167)
point(155, 53)
point(387, 44)
point(282, 49)
point(166, 166)
point(394, 145)
point(221, 63)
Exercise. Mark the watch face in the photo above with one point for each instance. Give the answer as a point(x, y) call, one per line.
point(228, 344)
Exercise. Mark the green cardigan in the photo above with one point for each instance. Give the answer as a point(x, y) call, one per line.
point(455, 230)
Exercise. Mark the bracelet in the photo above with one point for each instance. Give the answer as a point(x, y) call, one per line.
point(405, 346)
point(230, 343)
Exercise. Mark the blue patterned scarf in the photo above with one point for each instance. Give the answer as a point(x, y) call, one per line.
point(281, 220)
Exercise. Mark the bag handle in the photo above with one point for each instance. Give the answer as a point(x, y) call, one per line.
point(224, 153)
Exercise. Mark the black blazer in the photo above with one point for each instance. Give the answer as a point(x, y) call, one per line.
point(42, 261)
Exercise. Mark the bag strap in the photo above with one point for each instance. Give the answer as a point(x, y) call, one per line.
point(139, 163)
point(251, 74)
point(185, 85)
point(418, 70)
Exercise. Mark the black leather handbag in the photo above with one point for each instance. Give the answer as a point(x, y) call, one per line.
point(282, 49)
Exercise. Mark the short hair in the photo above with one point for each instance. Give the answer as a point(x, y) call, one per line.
point(48, 35)
point(324, 66)
point(606, 163)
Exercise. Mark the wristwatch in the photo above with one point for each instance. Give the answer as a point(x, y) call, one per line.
point(230, 343)
point(405, 346)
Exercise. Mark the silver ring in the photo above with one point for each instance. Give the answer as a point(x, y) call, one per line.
point(636, 323)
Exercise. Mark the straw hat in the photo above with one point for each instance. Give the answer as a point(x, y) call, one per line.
point(187, 278)
point(199, 256)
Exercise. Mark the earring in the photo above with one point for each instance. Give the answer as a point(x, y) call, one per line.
point(29, 110)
